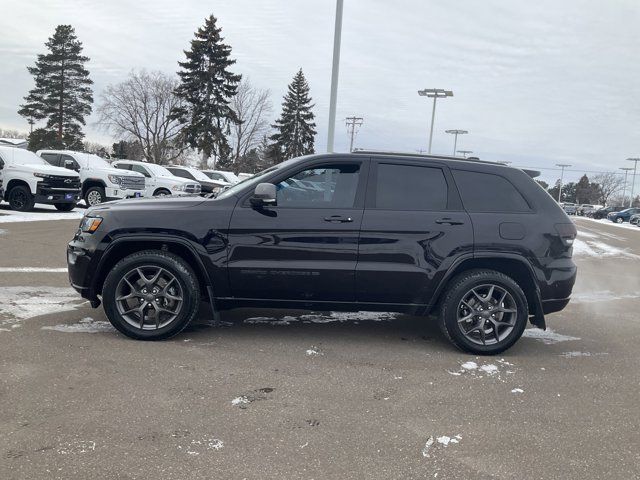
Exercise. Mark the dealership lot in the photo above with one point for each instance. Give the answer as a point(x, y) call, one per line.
point(273, 394)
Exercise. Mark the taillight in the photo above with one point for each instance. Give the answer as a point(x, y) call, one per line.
point(567, 233)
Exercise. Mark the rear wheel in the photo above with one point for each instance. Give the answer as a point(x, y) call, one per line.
point(483, 312)
point(151, 295)
point(21, 199)
point(65, 207)
point(94, 196)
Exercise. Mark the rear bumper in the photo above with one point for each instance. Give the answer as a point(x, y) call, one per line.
point(555, 305)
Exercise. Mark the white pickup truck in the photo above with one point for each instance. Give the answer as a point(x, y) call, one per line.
point(27, 179)
point(159, 181)
point(101, 182)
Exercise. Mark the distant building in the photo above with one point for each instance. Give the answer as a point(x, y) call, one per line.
point(13, 142)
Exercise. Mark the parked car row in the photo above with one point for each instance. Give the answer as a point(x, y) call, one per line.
point(586, 210)
point(623, 215)
point(63, 178)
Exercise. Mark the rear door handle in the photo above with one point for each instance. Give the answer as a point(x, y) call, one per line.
point(338, 219)
point(448, 221)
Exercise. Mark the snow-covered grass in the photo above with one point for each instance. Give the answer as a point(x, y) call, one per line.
point(608, 222)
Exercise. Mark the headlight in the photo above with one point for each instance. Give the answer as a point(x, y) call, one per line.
point(90, 224)
point(115, 179)
point(41, 175)
point(179, 188)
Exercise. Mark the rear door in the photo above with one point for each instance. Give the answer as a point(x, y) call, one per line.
point(412, 230)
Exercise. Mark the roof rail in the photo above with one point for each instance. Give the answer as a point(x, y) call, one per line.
point(423, 155)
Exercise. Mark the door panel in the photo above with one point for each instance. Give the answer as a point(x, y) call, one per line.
point(306, 247)
point(413, 229)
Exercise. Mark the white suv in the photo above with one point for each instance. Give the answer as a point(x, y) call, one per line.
point(159, 181)
point(100, 181)
point(221, 175)
point(28, 179)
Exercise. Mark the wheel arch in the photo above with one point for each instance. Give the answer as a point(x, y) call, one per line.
point(14, 182)
point(92, 182)
point(514, 267)
point(123, 247)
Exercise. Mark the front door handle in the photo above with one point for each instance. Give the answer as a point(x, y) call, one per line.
point(338, 219)
point(448, 221)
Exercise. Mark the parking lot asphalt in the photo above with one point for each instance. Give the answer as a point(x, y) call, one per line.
point(280, 394)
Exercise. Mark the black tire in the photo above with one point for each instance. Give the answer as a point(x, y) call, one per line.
point(161, 192)
point(94, 196)
point(65, 207)
point(619, 220)
point(460, 286)
point(21, 199)
point(176, 266)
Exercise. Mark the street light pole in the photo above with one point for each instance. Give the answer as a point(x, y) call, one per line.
point(633, 182)
point(563, 166)
point(333, 99)
point(455, 133)
point(624, 188)
point(434, 93)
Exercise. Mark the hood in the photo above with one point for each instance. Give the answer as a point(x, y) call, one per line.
point(115, 171)
point(174, 179)
point(141, 204)
point(45, 169)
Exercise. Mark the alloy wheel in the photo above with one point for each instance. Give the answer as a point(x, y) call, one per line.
point(149, 297)
point(94, 198)
point(18, 199)
point(487, 314)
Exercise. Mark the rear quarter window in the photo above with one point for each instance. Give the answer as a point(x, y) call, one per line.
point(487, 192)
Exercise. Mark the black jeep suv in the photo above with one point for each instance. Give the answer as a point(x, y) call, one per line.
point(478, 244)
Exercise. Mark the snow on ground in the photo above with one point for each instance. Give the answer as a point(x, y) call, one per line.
point(601, 296)
point(581, 354)
point(472, 369)
point(442, 441)
point(609, 222)
point(325, 318)
point(594, 248)
point(517, 390)
point(32, 270)
point(86, 325)
point(201, 445)
point(40, 213)
point(21, 303)
point(548, 336)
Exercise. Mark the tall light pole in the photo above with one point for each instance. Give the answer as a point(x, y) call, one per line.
point(352, 124)
point(455, 134)
point(624, 188)
point(434, 93)
point(333, 99)
point(465, 153)
point(633, 181)
point(562, 166)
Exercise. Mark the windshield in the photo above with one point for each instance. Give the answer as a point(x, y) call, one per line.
point(18, 156)
point(198, 174)
point(92, 161)
point(251, 181)
point(158, 170)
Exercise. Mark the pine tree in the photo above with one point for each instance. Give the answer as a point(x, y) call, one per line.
point(62, 94)
point(295, 128)
point(207, 86)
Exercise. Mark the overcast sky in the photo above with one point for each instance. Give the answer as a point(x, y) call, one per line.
point(535, 82)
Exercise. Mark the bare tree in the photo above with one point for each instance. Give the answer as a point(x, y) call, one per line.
point(252, 107)
point(139, 109)
point(609, 184)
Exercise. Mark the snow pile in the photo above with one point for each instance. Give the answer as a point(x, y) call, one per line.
point(313, 351)
point(594, 248)
point(548, 336)
point(442, 441)
point(86, 325)
point(20, 303)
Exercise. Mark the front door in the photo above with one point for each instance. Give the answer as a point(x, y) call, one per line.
point(412, 229)
point(304, 248)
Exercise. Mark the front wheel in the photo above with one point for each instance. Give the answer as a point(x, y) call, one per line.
point(161, 192)
point(65, 207)
point(151, 295)
point(20, 199)
point(94, 196)
point(619, 220)
point(483, 312)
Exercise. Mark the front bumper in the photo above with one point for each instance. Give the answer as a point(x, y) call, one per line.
point(57, 195)
point(117, 193)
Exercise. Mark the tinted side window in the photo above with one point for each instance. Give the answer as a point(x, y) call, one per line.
point(51, 158)
point(64, 159)
point(485, 192)
point(178, 172)
point(140, 169)
point(123, 166)
point(331, 186)
point(408, 187)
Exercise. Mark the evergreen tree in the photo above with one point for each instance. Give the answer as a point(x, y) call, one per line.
point(295, 128)
point(207, 87)
point(62, 94)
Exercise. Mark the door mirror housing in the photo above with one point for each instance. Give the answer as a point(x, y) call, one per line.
point(70, 165)
point(264, 195)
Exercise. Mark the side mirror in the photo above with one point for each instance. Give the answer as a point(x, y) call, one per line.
point(264, 195)
point(69, 164)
